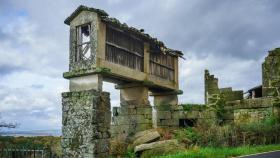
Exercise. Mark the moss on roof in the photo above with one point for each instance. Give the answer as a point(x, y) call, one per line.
point(123, 26)
point(81, 8)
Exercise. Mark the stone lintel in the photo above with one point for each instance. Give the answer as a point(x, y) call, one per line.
point(86, 72)
point(129, 85)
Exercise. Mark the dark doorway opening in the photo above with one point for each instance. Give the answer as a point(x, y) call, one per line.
point(187, 122)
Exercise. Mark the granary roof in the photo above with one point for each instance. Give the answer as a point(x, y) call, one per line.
point(123, 26)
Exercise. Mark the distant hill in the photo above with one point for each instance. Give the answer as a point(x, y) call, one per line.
point(31, 133)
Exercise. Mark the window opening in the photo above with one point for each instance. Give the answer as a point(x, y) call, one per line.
point(83, 43)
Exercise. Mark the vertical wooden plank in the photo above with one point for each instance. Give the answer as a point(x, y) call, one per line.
point(101, 52)
point(146, 58)
point(176, 72)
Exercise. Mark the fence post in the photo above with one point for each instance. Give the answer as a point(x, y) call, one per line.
point(50, 152)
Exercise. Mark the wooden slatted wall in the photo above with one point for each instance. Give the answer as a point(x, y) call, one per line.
point(162, 65)
point(124, 50)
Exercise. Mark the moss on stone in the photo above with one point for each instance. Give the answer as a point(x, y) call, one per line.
point(82, 72)
point(147, 82)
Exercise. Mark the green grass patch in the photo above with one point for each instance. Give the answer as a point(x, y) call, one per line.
point(209, 152)
point(191, 107)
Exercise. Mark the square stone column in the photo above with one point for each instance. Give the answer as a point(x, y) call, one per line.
point(135, 112)
point(166, 105)
point(86, 119)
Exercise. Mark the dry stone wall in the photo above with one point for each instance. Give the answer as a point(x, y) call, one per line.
point(86, 121)
point(183, 115)
point(253, 110)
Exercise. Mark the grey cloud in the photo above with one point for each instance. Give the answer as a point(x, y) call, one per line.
point(7, 69)
point(37, 86)
point(244, 29)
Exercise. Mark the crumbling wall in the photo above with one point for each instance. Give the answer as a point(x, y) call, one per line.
point(216, 98)
point(212, 90)
point(86, 121)
point(271, 74)
point(211, 86)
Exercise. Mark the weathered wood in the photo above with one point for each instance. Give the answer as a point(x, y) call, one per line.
point(124, 50)
point(162, 65)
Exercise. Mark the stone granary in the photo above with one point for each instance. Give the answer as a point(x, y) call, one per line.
point(103, 49)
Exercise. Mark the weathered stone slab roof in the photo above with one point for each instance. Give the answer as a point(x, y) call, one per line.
point(123, 26)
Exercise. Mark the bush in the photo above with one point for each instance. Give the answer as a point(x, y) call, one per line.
point(212, 135)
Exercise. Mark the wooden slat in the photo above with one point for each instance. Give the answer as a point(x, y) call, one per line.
point(124, 50)
point(162, 65)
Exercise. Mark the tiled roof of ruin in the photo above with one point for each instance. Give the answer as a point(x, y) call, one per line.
point(123, 26)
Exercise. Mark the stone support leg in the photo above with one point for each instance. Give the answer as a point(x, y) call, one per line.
point(86, 121)
point(166, 106)
point(135, 112)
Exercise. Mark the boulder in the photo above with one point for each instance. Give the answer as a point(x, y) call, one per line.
point(147, 138)
point(142, 133)
point(155, 145)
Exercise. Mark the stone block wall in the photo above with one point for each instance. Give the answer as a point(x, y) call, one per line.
point(271, 74)
point(230, 95)
point(86, 121)
point(170, 116)
point(252, 110)
point(130, 118)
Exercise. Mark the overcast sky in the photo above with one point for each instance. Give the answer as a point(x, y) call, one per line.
point(230, 38)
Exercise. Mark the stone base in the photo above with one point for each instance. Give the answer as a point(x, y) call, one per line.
point(86, 121)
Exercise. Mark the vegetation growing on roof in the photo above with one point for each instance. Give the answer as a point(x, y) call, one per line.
point(115, 22)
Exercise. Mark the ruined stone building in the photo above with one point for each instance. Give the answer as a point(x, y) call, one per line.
point(260, 102)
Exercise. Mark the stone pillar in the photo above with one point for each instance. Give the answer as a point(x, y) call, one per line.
point(166, 103)
point(135, 112)
point(210, 86)
point(86, 121)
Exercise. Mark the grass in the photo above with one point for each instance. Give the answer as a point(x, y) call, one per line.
point(226, 152)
